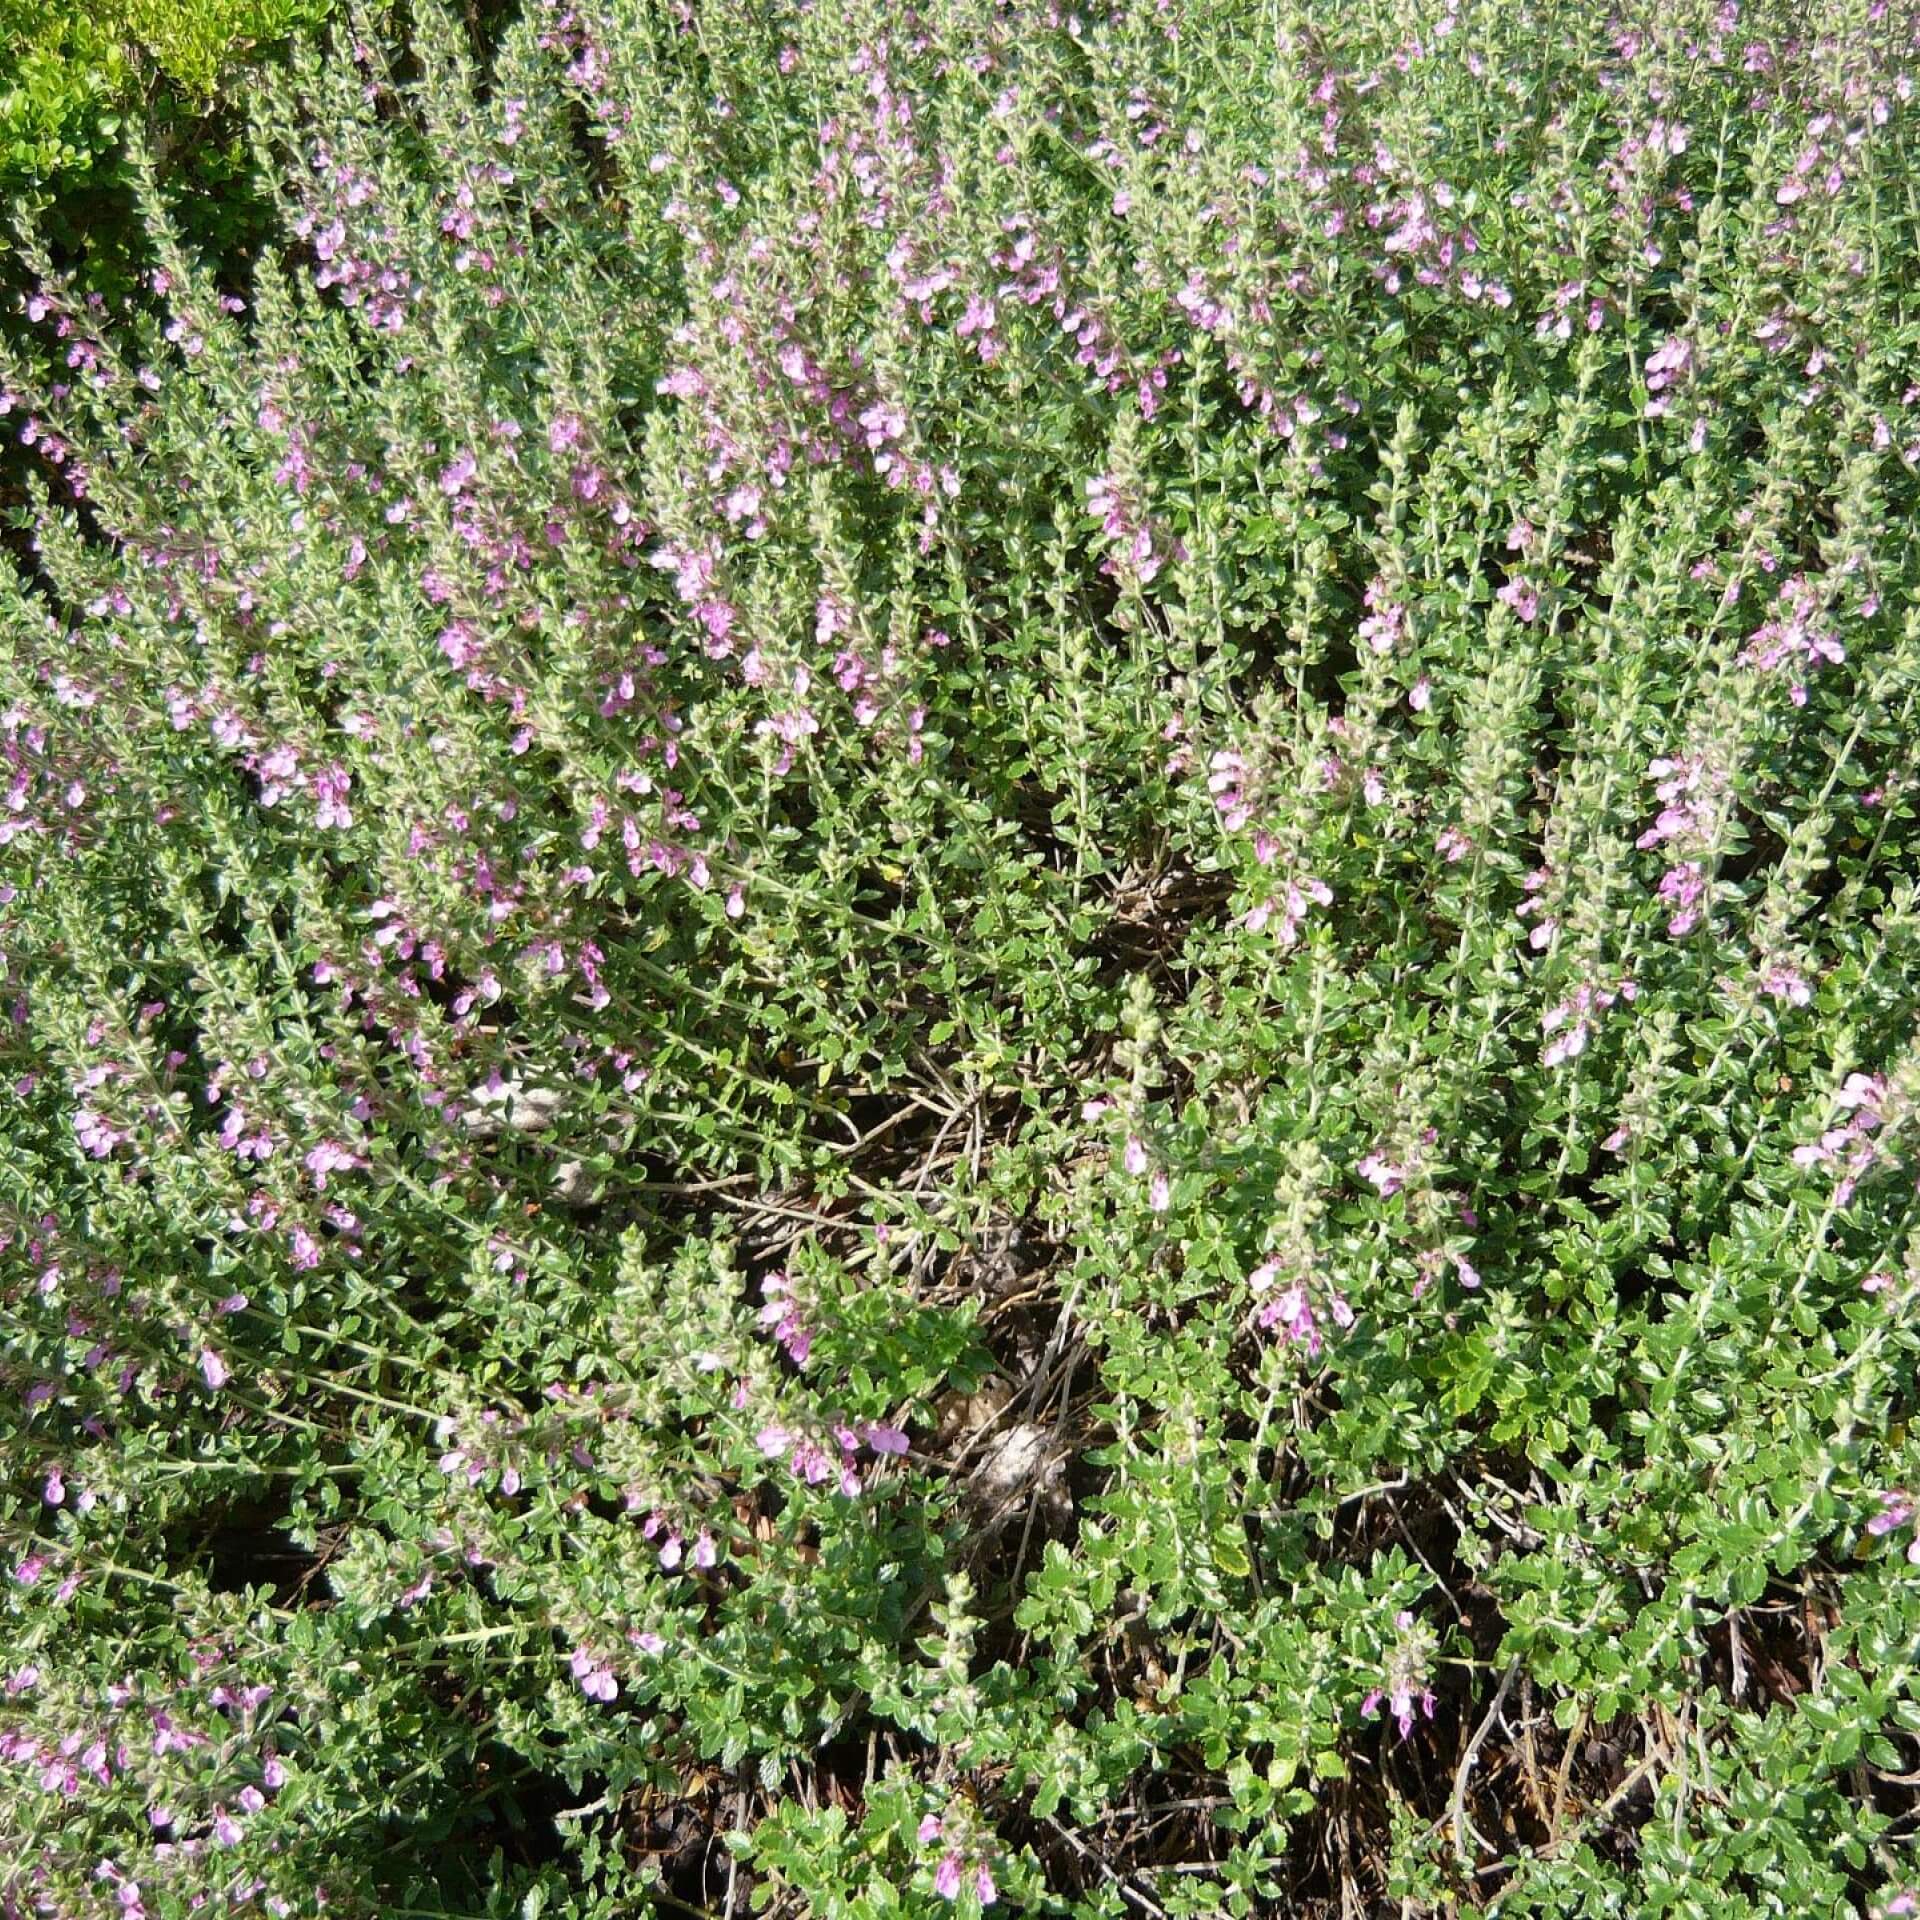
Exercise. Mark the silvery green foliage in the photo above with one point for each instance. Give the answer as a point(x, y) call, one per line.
point(966, 956)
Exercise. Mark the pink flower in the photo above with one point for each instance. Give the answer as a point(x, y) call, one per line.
point(946, 1877)
point(1798, 636)
point(1896, 1509)
point(330, 787)
point(213, 1369)
point(1669, 363)
point(596, 1681)
point(1402, 1704)
point(1385, 624)
point(1300, 893)
point(329, 1156)
point(782, 1312)
point(1522, 596)
point(1785, 983)
point(1683, 887)
point(1384, 1174)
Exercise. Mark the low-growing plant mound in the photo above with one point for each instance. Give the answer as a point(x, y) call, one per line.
point(967, 956)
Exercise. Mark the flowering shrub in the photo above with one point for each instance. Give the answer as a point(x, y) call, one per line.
point(965, 957)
